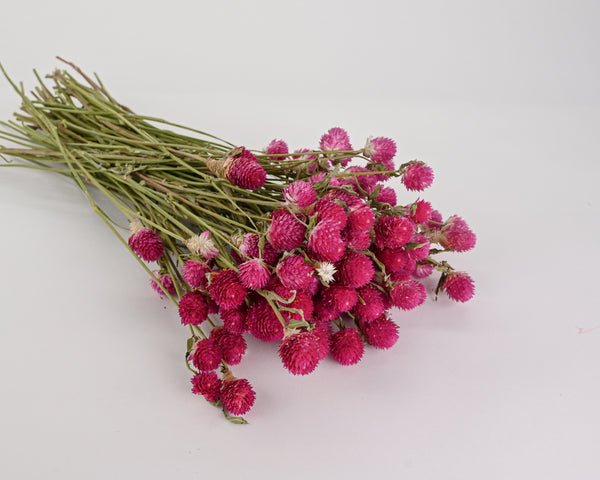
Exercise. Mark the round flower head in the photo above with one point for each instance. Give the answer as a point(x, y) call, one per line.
point(420, 211)
point(381, 150)
point(301, 301)
point(251, 247)
point(263, 323)
point(166, 281)
point(237, 395)
point(243, 170)
point(408, 294)
point(226, 289)
point(278, 148)
point(336, 139)
point(206, 355)
point(436, 220)
point(361, 217)
point(361, 184)
point(381, 332)
point(299, 194)
point(300, 352)
point(285, 232)
point(322, 331)
point(393, 259)
point(346, 346)
point(295, 273)
point(234, 319)
point(232, 345)
point(324, 312)
point(340, 298)
point(419, 246)
point(356, 269)
point(193, 308)
point(146, 243)
point(202, 245)
point(325, 242)
point(392, 231)
point(459, 286)
point(456, 235)
point(254, 274)
point(371, 306)
point(417, 176)
point(207, 384)
point(356, 239)
point(331, 211)
point(423, 270)
point(194, 273)
point(387, 195)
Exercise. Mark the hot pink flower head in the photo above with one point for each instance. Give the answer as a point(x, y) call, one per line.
point(372, 304)
point(254, 274)
point(336, 139)
point(381, 150)
point(322, 331)
point(392, 231)
point(207, 384)
point(300, 352)
point(146, 243)
point(166, 281)
point(299, 194)
point(361, 184)
point(350, 199)
point(356, 269)
point(243, 170)
point(263, 323)
point(417, 176)
point(237, 396)
point(340, 298)
point(325, 242)
point(285, 231)
point(250, 247)
point(393, 259)
point(459, 286)
point(294, 273)
point(277, 147)
point(346, 346)
point(213, 308)
point(194, 273)
point(193, 308)
point(408, 294)
point(361, 217)
point(381, 332)
point(418, 252)
point(232, 345)
point(423, 270)
point(356, 239)
point(206, 355)
point(327, 209)
point(387, 195)
point(302, 301)
point(456, 235)
point(226, 289)
point(324, 311)
point(420, 211)
point(234, 319)
point(405, 273)
point(436, 220)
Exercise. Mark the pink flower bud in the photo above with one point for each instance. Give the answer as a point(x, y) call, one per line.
point(194, 273)
point(346, 346)
point(300, 352)
point(243, 170)
point(226, 289)
point(193, 308)
point(147, 244)
point(237, 396)
point(277, 147)
point(207, 384)
point(206, 355)
point(417, 176)
point(459, 286)
point(381, 332)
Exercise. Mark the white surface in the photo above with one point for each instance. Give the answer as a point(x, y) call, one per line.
point(501, 99)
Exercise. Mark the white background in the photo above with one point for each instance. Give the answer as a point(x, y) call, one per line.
point(502, 99)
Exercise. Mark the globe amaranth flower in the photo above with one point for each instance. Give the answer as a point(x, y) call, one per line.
point(278, 148)
point(226, 289)
point(254, 274)
point(243, 170)
point(295, 273)
point(193, 308)
point(147, 244)
point(237, 395)
point(417, 176)
point(459, 286)
point(207, 384)
point(286, 232)
point(393, 231)
point(408, 294)
point(234, 319)
point(166, 281)
point(263, 323)
point(233, 346)
point(300, 352)
point(380, 332)
point(356, 269)
point(299, 194)
point(194, 273)
point(206, 355)
point(325, 242)
point(336, 139)
point(370, 304)
point(202, 245)
point(346, 346)
point(456, 235)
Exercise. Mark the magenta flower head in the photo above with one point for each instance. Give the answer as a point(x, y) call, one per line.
point(194, 273)
point(146, 243)
point(423, 270)
point(254, 274)
point(299, 194)
point(381, 332)
point(322, 331)
point(459, 286)
point(456, 235)
point(243, 170)
point(357, 239)
point(361, 217)
point(381, 150)
point(251, 247)
point(356, 269)
point(193, 308)
point(340, 298)
point(206, 355)
point(361, 184)
point(420, 211)
point(279, 148)
point(346, 346)
point(418, 248)
point(387, 195)
point(335, 139)
point(372, 304)
point(393, 259)
point(327, 209)
point(408, 294)
point(300, 352)
point(263, 323)
point(166, 281)
point(294, 273)
point(417, 176)
point(207, 384)
point(325, 242)
point(226, 289)
point(234, 319)
point(393, 231)
point(286, 232)
point(232, 345)
point(237, 395)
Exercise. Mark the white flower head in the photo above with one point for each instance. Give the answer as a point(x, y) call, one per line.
point(202, 245)
point(326, 271)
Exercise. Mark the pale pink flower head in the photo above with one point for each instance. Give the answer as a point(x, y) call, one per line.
point(346, 346)
point(372, 304)
point(299, 194)
point(456, 235)
point(336, 139)
point(207, 384)
point(193, 308)
point(202, 245)
point(166, 281)
point(254, 274)
point(206, 355)
point(278, 148)
point(147, 244)
point(243, 170)
point(381, 332)
point(417, 176)
point(300, 352)
point(286, 232)
point(393, 231)
point(294, 273)
point(237, 395)
point(408, 294)
point(232, 345)
point(459, 286)
point(194, 273)
point(356, 269)
point(226, 289)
